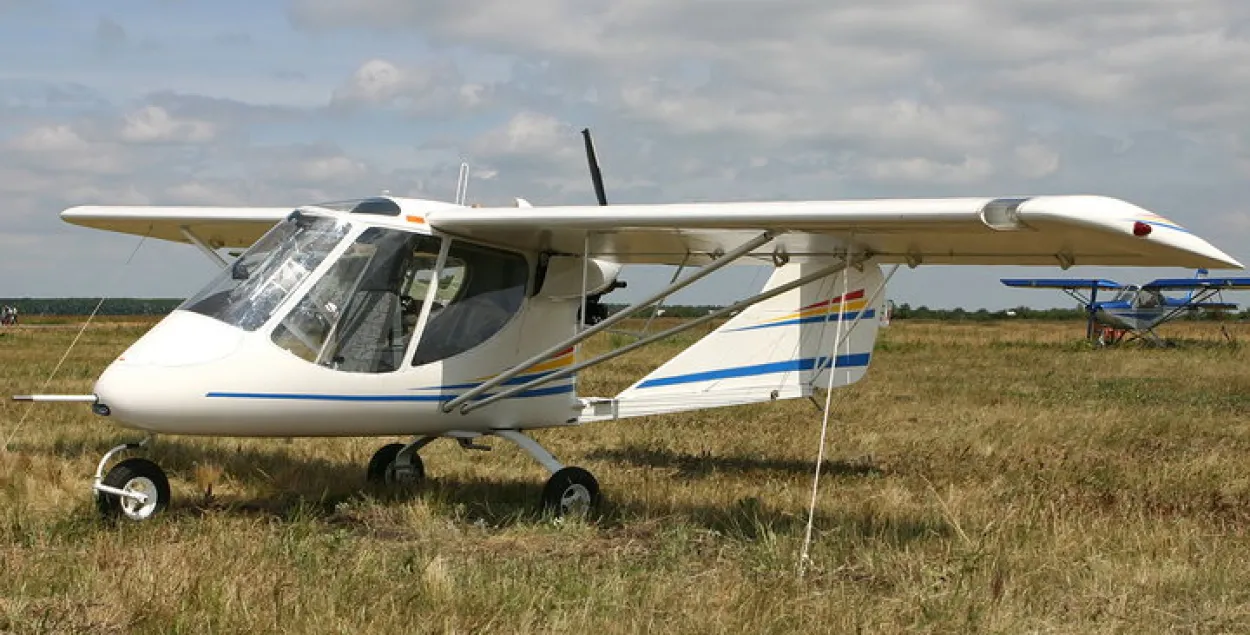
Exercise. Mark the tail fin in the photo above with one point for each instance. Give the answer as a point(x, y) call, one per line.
point(777, 349)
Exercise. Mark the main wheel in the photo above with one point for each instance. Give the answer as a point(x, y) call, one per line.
point(135, 475)
point(571, 491)
point(383, 470)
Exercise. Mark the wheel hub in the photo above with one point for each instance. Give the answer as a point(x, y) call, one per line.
point(575, 499)
point(132, 507)
point(397, 474)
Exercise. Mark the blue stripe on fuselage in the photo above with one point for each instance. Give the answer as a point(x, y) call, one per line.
point(842, 361)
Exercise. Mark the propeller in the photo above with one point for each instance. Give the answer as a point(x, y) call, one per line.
point(596, 311)
point(591, 160)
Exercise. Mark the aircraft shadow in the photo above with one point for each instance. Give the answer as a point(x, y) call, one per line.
point(691, 466)
point(304, 488)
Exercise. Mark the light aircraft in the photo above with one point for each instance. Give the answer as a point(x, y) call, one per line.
point(435, 320)
point(1136, 310)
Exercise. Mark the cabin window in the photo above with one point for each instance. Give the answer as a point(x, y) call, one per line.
point(246, 293)
point(480, 290)
point(359, 317)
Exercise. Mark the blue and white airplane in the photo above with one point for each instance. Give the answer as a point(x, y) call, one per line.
point(1136, 310)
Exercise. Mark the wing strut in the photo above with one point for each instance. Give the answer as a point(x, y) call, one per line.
point(737, 306)
point(723, 260)
point(1091, 312)
point(204, 247)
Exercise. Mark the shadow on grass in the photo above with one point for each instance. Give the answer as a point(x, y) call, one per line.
point(315, 489)
point(706, 464)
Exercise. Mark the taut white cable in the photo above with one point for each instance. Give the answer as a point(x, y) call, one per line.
point(9, 439)
point(824, 425)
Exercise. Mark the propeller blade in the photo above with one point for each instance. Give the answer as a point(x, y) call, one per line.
point(595, 175)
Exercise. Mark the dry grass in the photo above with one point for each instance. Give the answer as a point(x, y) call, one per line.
point(995, 478)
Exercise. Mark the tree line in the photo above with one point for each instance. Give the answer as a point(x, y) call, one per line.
point(84, 306)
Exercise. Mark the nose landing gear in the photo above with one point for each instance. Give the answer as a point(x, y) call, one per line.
point(135, 488)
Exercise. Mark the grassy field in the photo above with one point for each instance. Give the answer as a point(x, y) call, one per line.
point(984, 478)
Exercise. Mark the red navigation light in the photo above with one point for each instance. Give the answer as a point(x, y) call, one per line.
point(1140, 229)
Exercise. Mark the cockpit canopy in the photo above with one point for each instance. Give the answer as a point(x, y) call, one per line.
point(378, 206)
point(365, 298)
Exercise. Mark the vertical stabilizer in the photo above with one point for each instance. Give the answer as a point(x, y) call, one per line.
point(777, 349)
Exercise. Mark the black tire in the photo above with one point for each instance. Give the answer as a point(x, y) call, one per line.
point(381, 466)
point(571, 491)
point(135, 474)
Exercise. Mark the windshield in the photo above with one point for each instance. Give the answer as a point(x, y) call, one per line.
point(246, 293)
point(360, 316)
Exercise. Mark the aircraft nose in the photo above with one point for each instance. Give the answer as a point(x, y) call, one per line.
point(183, 338)
point(134, 396)
point(151, 384)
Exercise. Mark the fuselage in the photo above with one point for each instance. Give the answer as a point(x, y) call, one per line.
point(1138, 309)
point(343, 324)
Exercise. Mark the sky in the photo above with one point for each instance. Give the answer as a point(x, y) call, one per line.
point(283, 103)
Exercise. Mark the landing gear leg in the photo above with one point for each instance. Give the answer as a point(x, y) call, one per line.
point(135, 488)
point(398, 464)
point(571, 491)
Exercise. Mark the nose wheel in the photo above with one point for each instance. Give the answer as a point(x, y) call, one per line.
point(136, 488)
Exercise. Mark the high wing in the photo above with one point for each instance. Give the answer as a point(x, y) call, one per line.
point(1041, 230)
point(1199, 283)
point(218, 227)
point(1062, 283)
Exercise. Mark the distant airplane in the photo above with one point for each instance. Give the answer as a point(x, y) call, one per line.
point(1136, 310)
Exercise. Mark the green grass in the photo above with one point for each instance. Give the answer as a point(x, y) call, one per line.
point(984, 478)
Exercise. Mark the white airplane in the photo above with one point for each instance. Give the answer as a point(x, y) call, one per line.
point(400, 316)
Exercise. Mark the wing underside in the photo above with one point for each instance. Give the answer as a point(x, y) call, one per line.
point(217, 227)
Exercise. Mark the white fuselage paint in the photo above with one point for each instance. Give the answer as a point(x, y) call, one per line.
point(195, 375)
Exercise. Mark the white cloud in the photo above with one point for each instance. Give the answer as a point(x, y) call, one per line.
point(61, 148)
point(1034, 160)
point(154, 124)
point(378, 82)
point(50, 139)
point(970, 170)
point(528, 134)
point(332, 169)
point(426, 88)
